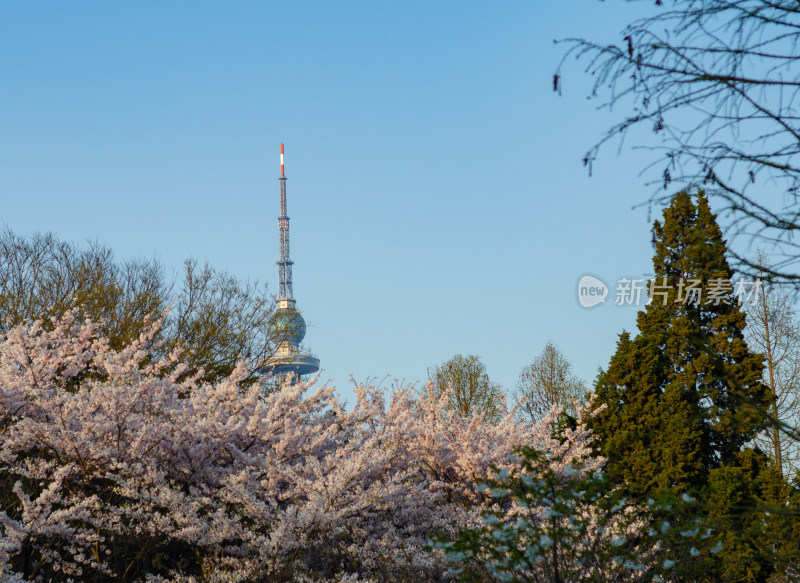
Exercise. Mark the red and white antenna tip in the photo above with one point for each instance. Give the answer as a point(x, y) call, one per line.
point(281, 159)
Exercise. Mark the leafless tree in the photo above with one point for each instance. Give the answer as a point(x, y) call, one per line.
point(546, 382)
point(216, 319)
point(774, 330)
point(43, 277)
point(715, 84)
point(471, 391)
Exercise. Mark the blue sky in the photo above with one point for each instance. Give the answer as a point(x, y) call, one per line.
point(435, 185)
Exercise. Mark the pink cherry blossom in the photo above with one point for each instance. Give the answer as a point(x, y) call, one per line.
point(121, 468)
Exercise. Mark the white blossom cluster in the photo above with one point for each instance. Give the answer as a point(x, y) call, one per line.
point(118, 467)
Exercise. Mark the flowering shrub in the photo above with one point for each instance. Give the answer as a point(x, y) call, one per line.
point(553, 518)
point(556, 519)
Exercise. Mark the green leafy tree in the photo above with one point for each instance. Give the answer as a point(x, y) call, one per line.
point(470, 390)
point(680, 402)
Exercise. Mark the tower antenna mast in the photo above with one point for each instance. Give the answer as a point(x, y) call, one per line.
point(284, 263)
point(286, 326)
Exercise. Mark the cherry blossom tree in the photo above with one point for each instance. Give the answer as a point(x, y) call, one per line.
point(117, 465)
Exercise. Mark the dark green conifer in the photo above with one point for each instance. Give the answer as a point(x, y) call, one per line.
point(681, 401)
point(683, 396)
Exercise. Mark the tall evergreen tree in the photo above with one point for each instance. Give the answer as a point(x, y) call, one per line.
point(683, 396)
point(680, 403)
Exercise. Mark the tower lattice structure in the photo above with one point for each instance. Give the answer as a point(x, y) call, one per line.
point(287, 327)
point(284, 263)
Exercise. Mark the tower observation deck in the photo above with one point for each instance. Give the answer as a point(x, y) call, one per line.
point(286, 326)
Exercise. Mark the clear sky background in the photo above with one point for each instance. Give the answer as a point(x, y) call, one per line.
point(435, 186)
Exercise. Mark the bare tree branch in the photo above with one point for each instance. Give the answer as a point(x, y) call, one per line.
point(716, 86)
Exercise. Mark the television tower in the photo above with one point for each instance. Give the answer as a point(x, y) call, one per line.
point(286, 326)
